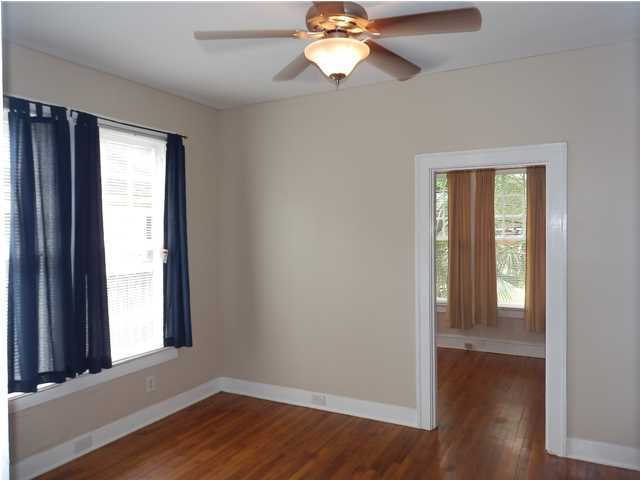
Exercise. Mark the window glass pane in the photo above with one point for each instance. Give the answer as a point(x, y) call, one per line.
point(442, 230)
point(511, 222)
point(133, 205)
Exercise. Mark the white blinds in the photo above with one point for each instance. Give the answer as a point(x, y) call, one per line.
point(5, 217)
point(132, 168)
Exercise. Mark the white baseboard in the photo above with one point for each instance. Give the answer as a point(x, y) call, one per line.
point(492, 345)
point(42, 462)
point(383, 412)
point(604, 453)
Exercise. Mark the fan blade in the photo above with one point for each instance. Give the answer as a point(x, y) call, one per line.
point(391, 63)
point(291, 71)
point(448, 21)
point(329, 7)
point(237, 34)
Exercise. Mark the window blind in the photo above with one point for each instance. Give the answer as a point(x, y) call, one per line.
point(5, 216)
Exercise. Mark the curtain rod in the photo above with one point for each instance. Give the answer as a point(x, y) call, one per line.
point(101, 117)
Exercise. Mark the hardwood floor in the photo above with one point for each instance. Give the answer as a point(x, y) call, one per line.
point(491, 411)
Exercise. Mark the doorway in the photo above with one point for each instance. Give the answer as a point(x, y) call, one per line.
point(428, 166)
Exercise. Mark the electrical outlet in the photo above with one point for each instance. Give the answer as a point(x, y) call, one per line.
point(468, 346)
point(150, 384)
point(83, 444)
point(318, 399)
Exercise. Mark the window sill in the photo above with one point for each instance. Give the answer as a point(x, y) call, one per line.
point(503, 312)
point(119, 369)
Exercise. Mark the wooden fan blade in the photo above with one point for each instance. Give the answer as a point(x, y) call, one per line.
point(391, 63)
point(291, 71)
point(448, 21)
point(238, 34)
point(329, 7)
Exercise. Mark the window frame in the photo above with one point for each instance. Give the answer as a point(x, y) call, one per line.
point(120, 368)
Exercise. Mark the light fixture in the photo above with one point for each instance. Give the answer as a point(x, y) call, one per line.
point(337, 57)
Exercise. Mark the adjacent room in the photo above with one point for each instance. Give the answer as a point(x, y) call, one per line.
point(320, 240)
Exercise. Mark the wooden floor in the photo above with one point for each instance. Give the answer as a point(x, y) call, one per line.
point(491, 427)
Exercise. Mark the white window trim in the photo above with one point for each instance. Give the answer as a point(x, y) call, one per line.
point(132, 130)
point(554, 157)
point(124, 367)
point(503, 312)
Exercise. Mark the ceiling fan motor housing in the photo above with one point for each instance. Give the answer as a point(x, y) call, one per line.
point(337, 16)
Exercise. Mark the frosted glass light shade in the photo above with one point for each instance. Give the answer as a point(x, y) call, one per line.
point(336, 57)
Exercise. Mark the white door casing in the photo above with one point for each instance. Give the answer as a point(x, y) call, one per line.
point(554, 157)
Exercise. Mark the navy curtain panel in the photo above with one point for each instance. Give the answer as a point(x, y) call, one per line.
point(40, 289)
point(90, 340)
point(177, 309)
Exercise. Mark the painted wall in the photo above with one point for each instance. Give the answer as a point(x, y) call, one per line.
point(317, 207)
point(41, 77)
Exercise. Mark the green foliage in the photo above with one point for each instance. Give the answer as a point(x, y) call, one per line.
point(442, 269)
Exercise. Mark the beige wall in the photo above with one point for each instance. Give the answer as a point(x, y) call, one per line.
point(317, 214)
point(41, 77)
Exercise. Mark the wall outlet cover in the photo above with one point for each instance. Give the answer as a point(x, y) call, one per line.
point(150, 384)
point(318, 399)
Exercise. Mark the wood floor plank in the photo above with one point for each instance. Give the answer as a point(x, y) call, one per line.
point(491, 415)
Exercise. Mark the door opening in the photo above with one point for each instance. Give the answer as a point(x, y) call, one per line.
point(509, 287)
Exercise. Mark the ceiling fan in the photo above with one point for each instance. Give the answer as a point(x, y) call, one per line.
point(343, 36)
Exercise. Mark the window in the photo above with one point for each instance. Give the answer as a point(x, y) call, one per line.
point(133, 187)
point(442, 240)
point(510, 220)
point(132, 168)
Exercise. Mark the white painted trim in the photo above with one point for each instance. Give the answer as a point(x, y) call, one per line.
point(492, 345)
point(503, 312)
point(554, 157)
point(150, 136)
point(87, 380)
point(333, 403)
point(47, 460)
point(426, 368)
point(604, 453)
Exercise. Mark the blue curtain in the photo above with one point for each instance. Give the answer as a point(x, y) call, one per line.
point(58, 324)
point(90, 341)
point(177, 309)
point(40, 289)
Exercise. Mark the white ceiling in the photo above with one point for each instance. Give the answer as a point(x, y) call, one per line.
point(152, 43)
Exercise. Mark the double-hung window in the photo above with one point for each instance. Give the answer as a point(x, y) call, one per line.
point(132, 170)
